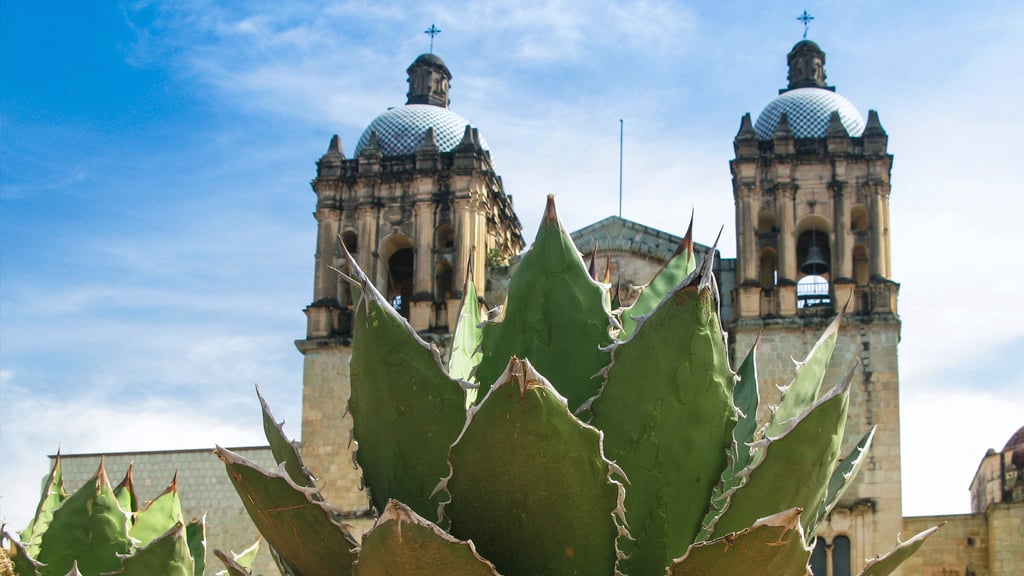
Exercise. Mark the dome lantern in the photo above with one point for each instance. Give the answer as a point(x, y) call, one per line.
point(806, 66)
point(428, 81)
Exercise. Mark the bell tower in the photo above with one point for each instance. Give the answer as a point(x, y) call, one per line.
point(418, 199)
point(811, 185)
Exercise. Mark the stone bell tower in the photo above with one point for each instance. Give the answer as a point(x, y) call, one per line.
point(416, 201)
point(811, 183)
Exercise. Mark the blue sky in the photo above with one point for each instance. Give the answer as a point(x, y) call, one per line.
point(156, 237)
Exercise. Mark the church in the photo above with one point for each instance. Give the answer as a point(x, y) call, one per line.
point(420, 206)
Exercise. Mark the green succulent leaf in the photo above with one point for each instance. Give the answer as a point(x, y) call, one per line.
point(842, 477)
point(90, 528)
point(885, 565)
point(773, 545)
point(556, 316)
point(232, 567)
point(406, 411)
point(466, 353)
point(53, 495)
point(159, 516)
point(793, 469)
point(740, 454)
point(195, 534)
point(285, 451)
point(529, 484)
point(166, 555)
point(682, 263)
point(667, 415)
point(810, 373)
point(301, 530)
point(125, 492)
point(402, 542)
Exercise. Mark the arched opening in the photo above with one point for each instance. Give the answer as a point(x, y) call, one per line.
point(819, 557)
point(351, 241)
point(398, 256)
point(444, 237)
point(861, 268)
point(858, 218)
point(813, 252)
point(768, 269)
point(766, 222)
point(442, 281)
point(840, 556)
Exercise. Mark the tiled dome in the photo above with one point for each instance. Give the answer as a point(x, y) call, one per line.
point(401, 129)
point(808, 110)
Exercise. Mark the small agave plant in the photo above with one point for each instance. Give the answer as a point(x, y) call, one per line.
point(568, 438)
point(99, 531)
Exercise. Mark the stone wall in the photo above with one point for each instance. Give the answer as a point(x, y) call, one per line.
point(1006, 539)
point(960, 547)
point(203, 486)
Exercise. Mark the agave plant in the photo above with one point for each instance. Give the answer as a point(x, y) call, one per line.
point(568, 438)
point(100, 530)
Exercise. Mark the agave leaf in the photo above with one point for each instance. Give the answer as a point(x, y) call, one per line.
point(89, 527)
point(842, 477)
point(231, 565)
point(804, 389)
point(406, 411)
point(125, 492)
point(682, 263)
point(773, 545)
point(285, 451)
point(793, 469)
point(159, 516)
point(74, 570)
point(884, 565)
point(529, 484)
point(740, 454)
point(24, 565)
point(556, 316)
point(166, 555)
point(53, 495)
point(466, 353)
point(667, 415)
point(195, 533)
point(247, 558)
point(402, 542)
point(301, 530)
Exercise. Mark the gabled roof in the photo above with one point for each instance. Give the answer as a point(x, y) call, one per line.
point(618, 234)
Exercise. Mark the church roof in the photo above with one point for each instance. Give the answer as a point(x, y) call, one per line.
point(1016, 440)
point(808, 111)
point(616, 233)
point(403, 128)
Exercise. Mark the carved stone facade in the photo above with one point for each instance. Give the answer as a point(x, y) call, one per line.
point(419, 206)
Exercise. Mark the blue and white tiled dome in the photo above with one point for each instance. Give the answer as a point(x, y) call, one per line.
point(402, 128)
point(808, 110)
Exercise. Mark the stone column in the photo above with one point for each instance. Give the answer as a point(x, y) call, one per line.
point(325, 281)
point(423, 265)
point(877, 217)
point(842, 263)
point(747, 238)
point(785, 198)
point(463, 241)
point(366, 227)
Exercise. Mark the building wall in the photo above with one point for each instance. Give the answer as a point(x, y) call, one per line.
point(959, 548)
point(203, 486)
point(1006, 539)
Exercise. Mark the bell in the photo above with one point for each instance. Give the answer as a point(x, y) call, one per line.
point(815, 264)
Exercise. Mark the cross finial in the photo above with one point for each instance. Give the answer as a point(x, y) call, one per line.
point(432, 31)
point(806, 19)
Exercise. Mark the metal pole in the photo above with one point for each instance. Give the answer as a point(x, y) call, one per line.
point(620, 166)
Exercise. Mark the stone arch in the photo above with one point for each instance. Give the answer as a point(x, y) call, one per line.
point(351, 241)
point(861, 265)
point(443, 281)
point(397, 259)
point(859, 218)
point(444, 238)
point(813, 230)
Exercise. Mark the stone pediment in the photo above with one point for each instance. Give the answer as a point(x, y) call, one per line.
point(616, 234)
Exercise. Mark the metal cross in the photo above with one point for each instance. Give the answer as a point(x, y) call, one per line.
point(434, 31)
point(806, 19)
